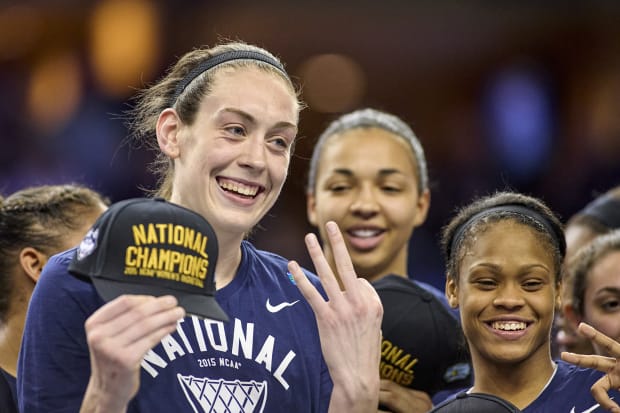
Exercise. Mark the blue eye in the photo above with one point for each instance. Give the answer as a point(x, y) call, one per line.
point(278, 143)
point(236, 130)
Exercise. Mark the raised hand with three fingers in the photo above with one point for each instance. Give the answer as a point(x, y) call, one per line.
point(349, 324)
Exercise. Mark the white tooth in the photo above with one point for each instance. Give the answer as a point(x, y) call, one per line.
point(509, 325)
point(240, 189)
point(365, 233)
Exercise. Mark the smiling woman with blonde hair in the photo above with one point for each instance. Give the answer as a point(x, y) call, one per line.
point(223, 121)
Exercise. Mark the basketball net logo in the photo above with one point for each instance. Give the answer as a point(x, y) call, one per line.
point(221, 396)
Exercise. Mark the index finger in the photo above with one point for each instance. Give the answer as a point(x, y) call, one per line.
point(122, 304)
point(600, 363)
point(611, 346)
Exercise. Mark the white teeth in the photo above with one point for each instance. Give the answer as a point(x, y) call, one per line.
point(508, 325)
point(239, 188)
point(365, 233)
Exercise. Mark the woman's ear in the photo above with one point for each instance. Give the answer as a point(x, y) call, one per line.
point(168, 127)
point(452, 292)
point(424, 202)
point(311, 208)
point(559, 293)
point(32, 261)
point(571, 315)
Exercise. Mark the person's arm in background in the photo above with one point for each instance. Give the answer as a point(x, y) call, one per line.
point(400, 399)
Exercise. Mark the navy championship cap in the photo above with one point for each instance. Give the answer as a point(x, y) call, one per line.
point(153, 247)
point(422, 347)
point(476, 403)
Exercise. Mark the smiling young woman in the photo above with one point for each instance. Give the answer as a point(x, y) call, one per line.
point(223, 121)
point(368, 174)
point(504, 254)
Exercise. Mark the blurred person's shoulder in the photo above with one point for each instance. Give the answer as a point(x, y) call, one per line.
point(57, 283)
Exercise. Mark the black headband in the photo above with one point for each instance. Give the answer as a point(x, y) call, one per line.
point(558, 237)
point(220, 58)
point(605, 209)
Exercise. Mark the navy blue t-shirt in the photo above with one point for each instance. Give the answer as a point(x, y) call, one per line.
point(8, 393)
point(569, 391)
point(267, 358)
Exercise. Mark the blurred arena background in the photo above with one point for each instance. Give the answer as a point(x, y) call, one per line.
point(519, 94)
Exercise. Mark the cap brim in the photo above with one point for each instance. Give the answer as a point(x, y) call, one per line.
point(199, 305)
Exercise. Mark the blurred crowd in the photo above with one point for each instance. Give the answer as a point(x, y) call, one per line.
point(513, 95)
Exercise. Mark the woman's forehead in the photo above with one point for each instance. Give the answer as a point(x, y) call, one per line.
point(254, 91)
point(229, 75)
point(508, 240)
point(505, 231)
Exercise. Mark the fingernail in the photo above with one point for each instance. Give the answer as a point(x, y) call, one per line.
point(292, 266)
point(170, 300)
point(332, 227)
point(311, 240)
point(586, 328)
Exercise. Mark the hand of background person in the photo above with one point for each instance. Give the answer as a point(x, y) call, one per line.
point(400, 399)
point(608, 365)
point(349, 325)
point(119, 334)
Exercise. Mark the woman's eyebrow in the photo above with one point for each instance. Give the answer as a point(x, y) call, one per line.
point(252, 120)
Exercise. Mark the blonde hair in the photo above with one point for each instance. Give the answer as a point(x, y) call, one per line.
point(150, 102)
